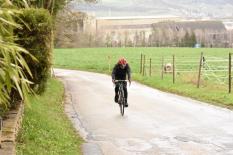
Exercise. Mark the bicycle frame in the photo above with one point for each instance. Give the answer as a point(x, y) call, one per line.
point(121, 94)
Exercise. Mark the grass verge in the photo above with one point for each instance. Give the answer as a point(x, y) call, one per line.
point(46, 129)
point(212, 94)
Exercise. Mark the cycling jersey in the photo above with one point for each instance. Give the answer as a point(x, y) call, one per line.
point(119, 73)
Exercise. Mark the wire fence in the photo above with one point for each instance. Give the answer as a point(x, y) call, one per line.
point(215, 70)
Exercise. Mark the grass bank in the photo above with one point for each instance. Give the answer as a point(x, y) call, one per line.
point(46, 129)
point(102, 60)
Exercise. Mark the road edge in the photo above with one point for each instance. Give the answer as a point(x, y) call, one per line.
point(88, 148)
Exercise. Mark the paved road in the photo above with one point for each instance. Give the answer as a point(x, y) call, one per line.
point(155, 122)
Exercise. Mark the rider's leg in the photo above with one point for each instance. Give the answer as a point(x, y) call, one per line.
point(116, 93)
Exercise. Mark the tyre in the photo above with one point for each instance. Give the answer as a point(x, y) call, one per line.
point(121, 102)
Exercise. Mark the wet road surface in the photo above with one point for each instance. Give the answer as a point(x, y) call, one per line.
point(155, 122)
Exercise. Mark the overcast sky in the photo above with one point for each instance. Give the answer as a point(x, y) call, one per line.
point(158, 8)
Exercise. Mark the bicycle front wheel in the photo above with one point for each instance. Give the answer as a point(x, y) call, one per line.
point(121, 103)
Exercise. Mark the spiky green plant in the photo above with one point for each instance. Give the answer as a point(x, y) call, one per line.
point(52, 5)
point(12, 64)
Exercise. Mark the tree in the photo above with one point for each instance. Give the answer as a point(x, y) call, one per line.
point(108, 41)
point(193, 40)
point(185, 40)
point(143, 38)
point(69, 29)
point(126, 38)
point(136, 39)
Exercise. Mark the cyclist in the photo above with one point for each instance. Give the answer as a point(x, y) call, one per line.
point(119, 72)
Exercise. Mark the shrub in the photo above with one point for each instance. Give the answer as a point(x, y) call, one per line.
point(36, 37)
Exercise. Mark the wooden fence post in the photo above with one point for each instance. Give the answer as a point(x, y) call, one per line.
point(229, 73)
point(144, 65)
point(173, 69)
point(109, 63)
point(162, 67)
point(150, 66)
point(199, 72)
point(0, 131)
point(141, 64)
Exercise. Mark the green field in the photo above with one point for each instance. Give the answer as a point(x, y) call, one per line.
point(214, 79)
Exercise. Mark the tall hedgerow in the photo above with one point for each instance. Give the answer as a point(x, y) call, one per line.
point(36, 37)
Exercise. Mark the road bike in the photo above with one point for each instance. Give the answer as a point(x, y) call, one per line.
point(121, 95)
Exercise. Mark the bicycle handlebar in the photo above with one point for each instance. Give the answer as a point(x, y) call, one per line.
point(115, 81)
point(120, 80)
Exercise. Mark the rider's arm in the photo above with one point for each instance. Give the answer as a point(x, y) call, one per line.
point(113, 74)
point(129, 73)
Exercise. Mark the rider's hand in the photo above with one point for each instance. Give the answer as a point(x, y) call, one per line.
point(113, 81)
point(129, 82)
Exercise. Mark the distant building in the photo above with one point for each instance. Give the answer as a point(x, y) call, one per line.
point(152, 30)
point(210, 33)
point(216, 26)
point(124, 29)
point(228, 25)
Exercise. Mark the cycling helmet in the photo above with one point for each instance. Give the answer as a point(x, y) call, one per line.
point(122, 61)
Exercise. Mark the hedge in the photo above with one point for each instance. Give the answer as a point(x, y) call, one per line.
point(36, 37)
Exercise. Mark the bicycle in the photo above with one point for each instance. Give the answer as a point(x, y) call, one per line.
point(121, 95)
